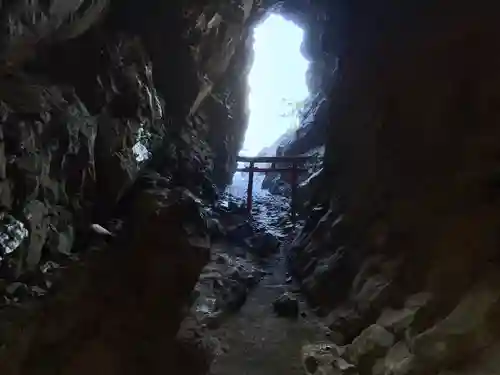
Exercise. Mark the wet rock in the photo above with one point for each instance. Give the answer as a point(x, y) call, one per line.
point(223, 286)
point(263, 244)
point(12, 234)
point(372, 344)
point(239, 232)
point(325, 359)
point(286, 306)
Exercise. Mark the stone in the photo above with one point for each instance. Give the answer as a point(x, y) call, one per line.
point(38, 224)
point(398, 361)
point(346, 322)
point(397, 321)
point(61, 231)
point(215, 228)
point(470, 326)
point(99, 229)
point(325, 359)
point(373, 294)
point(372, 344)
point(263, 244)
point(240, 232)
point(223, 286)
point(286, 305)
point(12, 234)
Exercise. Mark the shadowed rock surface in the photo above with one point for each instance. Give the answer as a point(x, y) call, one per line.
point(129, 115)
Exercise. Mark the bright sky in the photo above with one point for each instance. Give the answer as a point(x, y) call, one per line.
point(278, 75)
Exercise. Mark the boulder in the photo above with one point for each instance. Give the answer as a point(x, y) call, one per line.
point(223, 286)
point(470, 326)
point(329, 277)
point(372, 344)
point(397, 321)
point(398, 361)
point(325, 359)
point(263, 244)
point(346, 323)
point(240, 232)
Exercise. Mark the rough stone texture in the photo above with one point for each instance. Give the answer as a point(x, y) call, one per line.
point(398, 361)
point(397, 321)
point(224, 283)
point(412, 177)
point(76, 135)
point(128, 292)
point(100, 117)
point(372, 343)
point(410, 171)
point(325, 359)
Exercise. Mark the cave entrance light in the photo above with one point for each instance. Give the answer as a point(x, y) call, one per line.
point(277, 86)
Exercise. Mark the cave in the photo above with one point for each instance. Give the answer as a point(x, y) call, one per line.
point(121, 124)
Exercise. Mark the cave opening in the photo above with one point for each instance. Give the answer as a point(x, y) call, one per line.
point(277, 82)
point(277, 91)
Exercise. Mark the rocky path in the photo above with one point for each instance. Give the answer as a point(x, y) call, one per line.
point(258, 342)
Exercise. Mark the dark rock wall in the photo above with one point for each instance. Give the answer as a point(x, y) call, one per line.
point(82, 83)
point(100, 118)
point(410, 203)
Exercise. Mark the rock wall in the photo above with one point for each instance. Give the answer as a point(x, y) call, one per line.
point(121, 108)
point(90, 90)
point(101, 123)
point(403, 250)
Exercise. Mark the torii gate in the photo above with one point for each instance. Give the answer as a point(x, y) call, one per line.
point(294, 169)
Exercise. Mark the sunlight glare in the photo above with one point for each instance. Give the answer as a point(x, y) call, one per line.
point(277, 77)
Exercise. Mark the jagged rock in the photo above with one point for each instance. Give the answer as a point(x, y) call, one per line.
point(62, 234)
point(326, 359)
point(240, 232)
point(36, 215)
point(263, 244)
point(223, 286)
point(397, 321)
point(398, 361)
point(52, 20)
point(373, 294)
point(215, 228)
point(286, 305)
point(329, 278)
point(12, 234)
point(372, 344)
point(346, 322)
point(318, 257)
point(470, 326)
